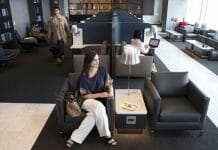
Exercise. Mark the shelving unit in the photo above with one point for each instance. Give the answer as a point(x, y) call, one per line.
point(6, 24)
point(35, 11)
point(133, 6)
point(90, 7)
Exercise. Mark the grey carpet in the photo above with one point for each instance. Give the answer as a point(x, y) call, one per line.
point(35, 77)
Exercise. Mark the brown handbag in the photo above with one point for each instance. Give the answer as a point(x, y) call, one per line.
point(72, 106)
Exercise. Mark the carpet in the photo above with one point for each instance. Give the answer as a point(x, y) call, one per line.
point(34, 77)
point(49, 138)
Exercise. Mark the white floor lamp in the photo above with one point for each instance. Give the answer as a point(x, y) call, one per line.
point(130, 56)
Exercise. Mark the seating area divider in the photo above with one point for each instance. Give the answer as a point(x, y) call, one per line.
point(112, 27)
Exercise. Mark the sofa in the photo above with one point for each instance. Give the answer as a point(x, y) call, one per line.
point(68, 123)
point(174, 102)
point(189, 32)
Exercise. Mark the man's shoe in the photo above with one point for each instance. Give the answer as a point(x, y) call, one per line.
point(62, 56)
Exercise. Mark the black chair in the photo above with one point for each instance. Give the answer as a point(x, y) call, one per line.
point(26, 43)
point(68, 123)
point(174, 102)
point(7, 55)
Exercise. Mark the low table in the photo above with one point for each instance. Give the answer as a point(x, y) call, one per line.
point(127, 119)
point(173, 35)
point(199, 48)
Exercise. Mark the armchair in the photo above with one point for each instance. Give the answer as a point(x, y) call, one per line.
point(189, 32)
point(68, 123)
point(144, 68)
point(79, 59)
point(26, 43)
point(100, 49)
point(174, 102)
point(7, 55)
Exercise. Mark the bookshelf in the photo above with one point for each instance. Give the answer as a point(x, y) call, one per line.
point(35, 12)
point(90, 7)
point(6, 24)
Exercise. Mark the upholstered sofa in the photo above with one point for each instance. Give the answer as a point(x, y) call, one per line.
point(68, 123)
point(189, 32)
point(174, 102)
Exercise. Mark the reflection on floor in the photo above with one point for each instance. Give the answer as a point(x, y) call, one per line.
point(21, 124)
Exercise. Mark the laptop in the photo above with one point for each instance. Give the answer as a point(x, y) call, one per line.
point(153, 43)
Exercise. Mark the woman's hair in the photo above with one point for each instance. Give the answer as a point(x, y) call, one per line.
point(137, 34)
point(89, 56)
point(56, 7)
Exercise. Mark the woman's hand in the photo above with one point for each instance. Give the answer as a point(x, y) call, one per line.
point(106, 95)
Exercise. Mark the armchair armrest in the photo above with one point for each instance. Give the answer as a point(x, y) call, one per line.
point(110, 112)
point(60, 103)
point(198, 99)
point(152, 98)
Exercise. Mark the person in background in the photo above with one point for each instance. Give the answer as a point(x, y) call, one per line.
point(183, 23)
point(93, 84)
point(36, 32)
point(136, 41)
point(58, 32)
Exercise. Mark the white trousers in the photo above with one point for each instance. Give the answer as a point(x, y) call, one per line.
point(96, 115)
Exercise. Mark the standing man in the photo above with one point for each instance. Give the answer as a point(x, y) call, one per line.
point(58, 31)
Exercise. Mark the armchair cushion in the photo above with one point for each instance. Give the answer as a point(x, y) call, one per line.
point(178, 109)
point(79, 59)
point(171, 83)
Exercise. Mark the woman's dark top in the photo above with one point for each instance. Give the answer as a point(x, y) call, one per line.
point(95, 84)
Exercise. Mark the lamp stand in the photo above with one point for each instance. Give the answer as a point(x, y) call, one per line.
point(129, 78)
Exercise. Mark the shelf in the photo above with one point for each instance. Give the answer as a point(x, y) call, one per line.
point(6, 25)
point(5, 30)
point(35, 13)
point(91, 7)
point(5, 17)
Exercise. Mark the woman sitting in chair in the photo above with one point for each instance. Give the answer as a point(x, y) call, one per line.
point(136, 41)
point(92, 85)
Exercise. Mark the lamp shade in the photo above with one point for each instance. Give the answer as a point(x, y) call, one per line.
point(130, 55)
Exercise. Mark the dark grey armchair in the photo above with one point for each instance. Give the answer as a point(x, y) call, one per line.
point(7, 55)
point(26, 43)
point(189, 32)
point(68, 123)
point(174, 102)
